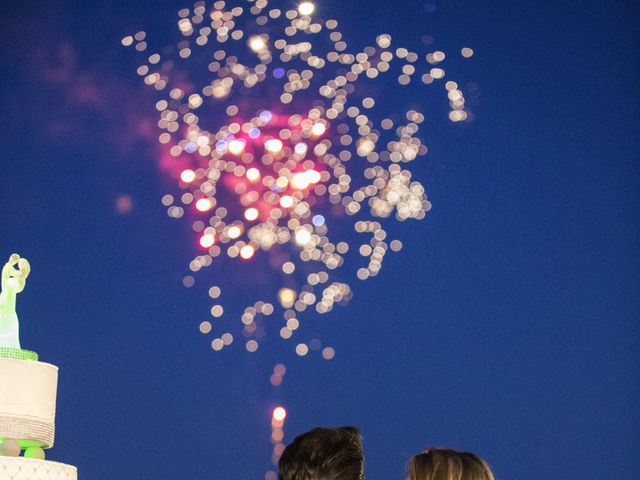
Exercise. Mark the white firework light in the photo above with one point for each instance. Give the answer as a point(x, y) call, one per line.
point(272, 128)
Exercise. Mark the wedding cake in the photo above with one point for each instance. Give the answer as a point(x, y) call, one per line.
point(27, 395)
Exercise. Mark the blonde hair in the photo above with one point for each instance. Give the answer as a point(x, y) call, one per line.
point(445, 464)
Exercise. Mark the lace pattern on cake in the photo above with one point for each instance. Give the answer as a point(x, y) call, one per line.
point(19, 468)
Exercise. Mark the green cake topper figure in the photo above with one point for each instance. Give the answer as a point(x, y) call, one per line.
point(13, 282)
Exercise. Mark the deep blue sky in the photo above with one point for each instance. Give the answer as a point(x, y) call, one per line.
point(515, 335)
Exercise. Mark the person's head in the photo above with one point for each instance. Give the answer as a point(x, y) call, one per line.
point(324, 454)
point(445, 464)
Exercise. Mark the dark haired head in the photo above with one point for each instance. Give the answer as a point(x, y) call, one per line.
point(324, 454)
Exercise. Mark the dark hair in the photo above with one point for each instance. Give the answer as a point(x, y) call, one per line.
point(324, 454)
point(447, 464)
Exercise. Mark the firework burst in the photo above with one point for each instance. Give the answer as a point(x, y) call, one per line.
point(270, 126)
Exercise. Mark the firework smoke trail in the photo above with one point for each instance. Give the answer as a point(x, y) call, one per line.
point(302, 152)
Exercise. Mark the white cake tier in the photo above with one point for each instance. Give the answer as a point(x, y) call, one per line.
point(20, 468)
point(28, 401)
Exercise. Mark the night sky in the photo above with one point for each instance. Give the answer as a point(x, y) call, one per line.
point(507, 326)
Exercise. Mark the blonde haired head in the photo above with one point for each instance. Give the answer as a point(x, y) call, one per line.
point(445, 464)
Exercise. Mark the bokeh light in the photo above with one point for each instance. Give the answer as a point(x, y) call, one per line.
point(306, 8)
point(124, 204)
point(279, 414)
point(253, 174)
point(257, 43)
point(207, 240)
point(188, 175)
point(204, 204)
point(247, 252)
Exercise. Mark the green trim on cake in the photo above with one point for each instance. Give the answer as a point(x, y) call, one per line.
point(25, 443)
point(18, 354)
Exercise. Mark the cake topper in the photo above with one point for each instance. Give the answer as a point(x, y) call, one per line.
point(13, 282)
